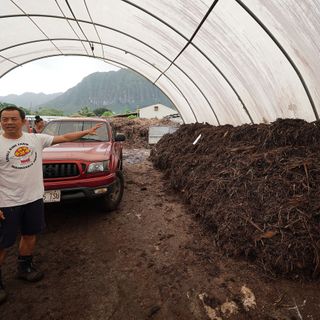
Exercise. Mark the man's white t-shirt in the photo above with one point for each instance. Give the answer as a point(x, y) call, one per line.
point(21, 177)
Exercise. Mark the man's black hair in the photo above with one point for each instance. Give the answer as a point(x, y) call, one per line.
point(38, 119)
point(12, 108)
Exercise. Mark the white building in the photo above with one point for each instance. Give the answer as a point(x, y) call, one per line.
point(158, 111)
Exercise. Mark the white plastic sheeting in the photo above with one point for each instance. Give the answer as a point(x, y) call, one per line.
point(219, 61)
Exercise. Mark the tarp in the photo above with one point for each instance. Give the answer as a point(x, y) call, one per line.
point(221, 61)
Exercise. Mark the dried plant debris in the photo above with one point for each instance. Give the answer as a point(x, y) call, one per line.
point(137, 130)
point(229, 308)
point(255, 187)
point(248, 298)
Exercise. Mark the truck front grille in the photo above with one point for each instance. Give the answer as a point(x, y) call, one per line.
point(59, 170)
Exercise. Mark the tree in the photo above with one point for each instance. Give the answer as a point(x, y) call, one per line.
point(27, 111)
point(127, 110)
point(5, 104)
point(86, 112)
point(49, 112)
point(100, 111)
point(107, 114)
point(132, 116)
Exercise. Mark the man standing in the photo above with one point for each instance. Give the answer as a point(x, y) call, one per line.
point(21, 204)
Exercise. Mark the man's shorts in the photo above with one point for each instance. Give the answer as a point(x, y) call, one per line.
point(27, 218)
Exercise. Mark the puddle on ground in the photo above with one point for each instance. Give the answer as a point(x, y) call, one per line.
point(133, 156)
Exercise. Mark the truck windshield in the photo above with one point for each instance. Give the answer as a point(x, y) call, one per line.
point(57, 128)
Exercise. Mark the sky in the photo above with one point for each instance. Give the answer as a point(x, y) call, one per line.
point(51, 75)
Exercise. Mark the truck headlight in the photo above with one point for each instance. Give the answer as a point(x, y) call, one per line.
point(98, 166)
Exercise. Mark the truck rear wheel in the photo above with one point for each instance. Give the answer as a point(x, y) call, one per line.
point(111, 201)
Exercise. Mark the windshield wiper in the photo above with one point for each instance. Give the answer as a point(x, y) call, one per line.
point(90, 139)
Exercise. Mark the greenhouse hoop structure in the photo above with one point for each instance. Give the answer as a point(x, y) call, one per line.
point(218, 61)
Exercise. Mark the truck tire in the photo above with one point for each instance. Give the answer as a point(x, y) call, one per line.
point(111, 201)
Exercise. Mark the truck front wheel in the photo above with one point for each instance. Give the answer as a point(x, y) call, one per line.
point(111, 201)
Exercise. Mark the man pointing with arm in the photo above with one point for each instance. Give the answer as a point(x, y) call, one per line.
point(21, 204)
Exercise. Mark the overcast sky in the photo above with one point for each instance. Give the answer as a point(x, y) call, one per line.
point(50, 75)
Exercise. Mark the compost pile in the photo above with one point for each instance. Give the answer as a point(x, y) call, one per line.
point(136, 130)
point(255, 187)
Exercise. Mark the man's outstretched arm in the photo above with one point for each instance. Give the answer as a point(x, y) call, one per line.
point(75, 135)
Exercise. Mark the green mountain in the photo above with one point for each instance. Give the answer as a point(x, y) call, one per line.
point(28, 100)
point(114, 90)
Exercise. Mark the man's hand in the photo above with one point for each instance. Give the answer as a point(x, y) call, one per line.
point(1, 215)
point(72, 136)
point(92, 131)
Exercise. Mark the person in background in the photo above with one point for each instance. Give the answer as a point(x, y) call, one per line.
point(21, 202)
point(38, 125)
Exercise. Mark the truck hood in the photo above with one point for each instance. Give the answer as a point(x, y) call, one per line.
point(87, 151)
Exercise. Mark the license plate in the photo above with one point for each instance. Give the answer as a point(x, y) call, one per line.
point(52, 196)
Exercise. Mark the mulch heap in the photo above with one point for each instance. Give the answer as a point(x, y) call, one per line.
point(255, 187)
point(137, 130)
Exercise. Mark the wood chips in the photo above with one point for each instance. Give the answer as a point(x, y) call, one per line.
point(255, 187)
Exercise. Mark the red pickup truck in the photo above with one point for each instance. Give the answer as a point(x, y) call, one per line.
point(90, 167)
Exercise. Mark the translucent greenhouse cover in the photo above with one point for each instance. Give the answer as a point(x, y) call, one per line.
point(218, 61)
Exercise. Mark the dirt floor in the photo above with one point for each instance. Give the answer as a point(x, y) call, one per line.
point(148, 260)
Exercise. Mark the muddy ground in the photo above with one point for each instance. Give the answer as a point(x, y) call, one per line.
point(148, 260)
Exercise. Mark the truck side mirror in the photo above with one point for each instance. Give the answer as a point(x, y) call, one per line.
point(120, 137)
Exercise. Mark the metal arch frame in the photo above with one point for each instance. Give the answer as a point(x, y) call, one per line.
point(27, 15)
point(58, 5)
point(241, 4)
point(70, 9)
point(106, 60)
point(284, 52)
point(5, 58)
point(107, 45)
point(115, 30)
point(263, 26)
point(189, 41)
point(95, 28)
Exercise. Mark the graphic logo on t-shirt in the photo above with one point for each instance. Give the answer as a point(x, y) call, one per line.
point(21, 156)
